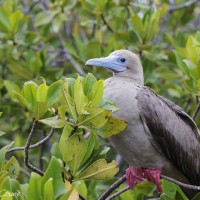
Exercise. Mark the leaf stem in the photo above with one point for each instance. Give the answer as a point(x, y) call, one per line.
point(26, 150)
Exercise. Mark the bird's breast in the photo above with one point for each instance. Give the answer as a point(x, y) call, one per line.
point(133, 143)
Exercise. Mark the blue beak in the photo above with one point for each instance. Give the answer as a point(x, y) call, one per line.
point(111, 62)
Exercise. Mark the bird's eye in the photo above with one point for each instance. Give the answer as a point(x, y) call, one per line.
point(123, 60)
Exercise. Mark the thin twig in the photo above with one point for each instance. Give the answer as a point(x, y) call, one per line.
point(34, 145)
point(106, 23)
point(196, 111)
point(112, 188)
point(26, 151)
point(188, 186)
point(118, 193)
point(184, 5)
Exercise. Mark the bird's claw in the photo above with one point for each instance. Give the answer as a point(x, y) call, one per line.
point(153, 175)
point(136, 175)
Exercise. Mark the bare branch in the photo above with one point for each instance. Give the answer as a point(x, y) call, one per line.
point(117, 193)
point(184, 5)
point(34, 145)
point(26, 151)
point(106, 23)
point(188, 186)
point(112, 187)
point(123, 179)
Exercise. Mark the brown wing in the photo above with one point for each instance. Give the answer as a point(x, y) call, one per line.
point(172, 131)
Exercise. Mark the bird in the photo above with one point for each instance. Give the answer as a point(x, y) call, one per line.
point(160, 139)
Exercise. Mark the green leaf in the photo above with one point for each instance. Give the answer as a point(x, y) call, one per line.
point(29, 90)
point(68, 99)
point(99, 6)
point(180, 62)
point(62, 110)
point(35, 187)
point(40, 110)
point(99, 170)
point(4, 20)
point(64, 136)
point(91, 145)
point(3, 153)
point(12, 167)
point(7, 196)
point(15, 19)
point(53, 122)
point(49, 190)
point(88, 83)
point(42, 93)
point(138, 27)
point(95, 118)
point(96, 93)
point(20, 99)
point(75, 150)
point(2, 133)
point(81, 187)
point(79, 97)
point(54, 171)
point(54, 93)
point(112, 127)
point(44, 18)
point(10, 87)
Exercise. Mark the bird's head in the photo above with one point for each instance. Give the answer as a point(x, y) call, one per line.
point(122, 63)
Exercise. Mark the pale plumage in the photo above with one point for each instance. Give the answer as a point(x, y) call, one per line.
point(160, 135)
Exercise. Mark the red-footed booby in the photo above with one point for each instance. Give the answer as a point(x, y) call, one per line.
point(160, 137)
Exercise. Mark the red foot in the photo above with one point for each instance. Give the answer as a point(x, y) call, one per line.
point(153, 175)
point(136, 175)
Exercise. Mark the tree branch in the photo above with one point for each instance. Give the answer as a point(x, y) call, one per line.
point(188, 186)
point(112, 187)
point(26, 150)
point(34, 145)
point(118, 193)
point(123, 179)
point(184, 5)
point(106, 23)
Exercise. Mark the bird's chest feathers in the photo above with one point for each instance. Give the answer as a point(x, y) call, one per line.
point(123, 93)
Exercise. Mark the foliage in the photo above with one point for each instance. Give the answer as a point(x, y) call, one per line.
point(53, 39)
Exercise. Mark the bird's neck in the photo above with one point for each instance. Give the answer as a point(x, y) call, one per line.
point(137, 78)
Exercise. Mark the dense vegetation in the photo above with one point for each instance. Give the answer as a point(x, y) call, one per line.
point(53, 119)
